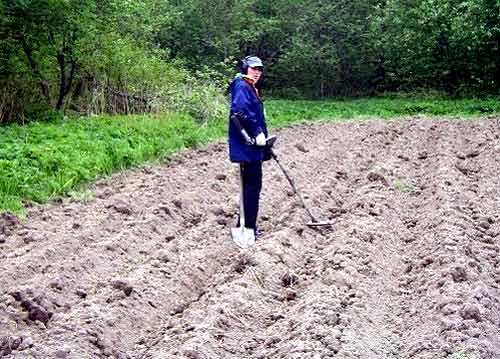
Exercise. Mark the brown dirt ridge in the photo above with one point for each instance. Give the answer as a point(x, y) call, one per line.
point(145, 267)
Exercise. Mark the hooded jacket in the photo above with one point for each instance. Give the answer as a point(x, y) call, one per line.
point(245, 99)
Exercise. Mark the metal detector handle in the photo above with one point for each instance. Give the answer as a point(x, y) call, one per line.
point(290, 180)
point(270, 141)
point(235, 117)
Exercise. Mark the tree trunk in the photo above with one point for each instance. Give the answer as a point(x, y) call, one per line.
point(44, 87)
point(345, 63)
point(65, 81)
point(62, 80)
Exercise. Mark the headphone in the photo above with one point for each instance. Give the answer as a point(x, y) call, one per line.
point(243, 64)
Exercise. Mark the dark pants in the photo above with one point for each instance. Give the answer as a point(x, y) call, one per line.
point(252, 183)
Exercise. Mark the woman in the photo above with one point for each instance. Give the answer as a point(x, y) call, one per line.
point(247, 135)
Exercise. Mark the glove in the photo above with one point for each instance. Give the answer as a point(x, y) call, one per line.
point(260, 140)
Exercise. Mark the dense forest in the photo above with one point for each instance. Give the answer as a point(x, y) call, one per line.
point(125, 56)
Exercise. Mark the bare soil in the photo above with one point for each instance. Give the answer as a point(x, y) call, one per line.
point(145, 267)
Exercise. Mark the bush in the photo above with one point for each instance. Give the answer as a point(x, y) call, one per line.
point(166, 85)
point(41, 112)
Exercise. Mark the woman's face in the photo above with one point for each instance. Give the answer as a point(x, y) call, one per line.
point(255, 73)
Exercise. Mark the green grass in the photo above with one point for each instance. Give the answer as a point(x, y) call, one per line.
point(40, 160)
point(282, 112)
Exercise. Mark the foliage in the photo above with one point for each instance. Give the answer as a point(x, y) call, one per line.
point(445, 44)
point(352, 47)
point(43, 38)
point(122, 56)
point(165, 86)
point(92, 57)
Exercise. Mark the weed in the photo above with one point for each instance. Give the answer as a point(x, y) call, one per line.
point(82, 195)
point(402, 186)
point(460, 353)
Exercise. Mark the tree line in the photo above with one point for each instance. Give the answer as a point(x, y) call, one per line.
point(135, 56)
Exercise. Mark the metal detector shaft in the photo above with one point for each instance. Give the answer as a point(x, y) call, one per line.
point(290, 180)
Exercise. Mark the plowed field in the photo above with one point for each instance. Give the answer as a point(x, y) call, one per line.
point(145, 267)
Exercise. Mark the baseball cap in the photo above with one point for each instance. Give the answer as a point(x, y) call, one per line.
point(254, 61)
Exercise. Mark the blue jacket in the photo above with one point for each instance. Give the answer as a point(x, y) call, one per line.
point(244, 99)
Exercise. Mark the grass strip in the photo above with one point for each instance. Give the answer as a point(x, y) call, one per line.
point(41, 160)
point(283, 112)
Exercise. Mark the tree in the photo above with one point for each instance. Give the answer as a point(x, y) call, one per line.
point(444, 44)
point(47, 33)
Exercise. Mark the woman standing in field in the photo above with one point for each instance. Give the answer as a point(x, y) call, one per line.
point(247, 135)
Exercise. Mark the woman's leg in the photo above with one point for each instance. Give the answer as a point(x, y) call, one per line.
point(252, 184)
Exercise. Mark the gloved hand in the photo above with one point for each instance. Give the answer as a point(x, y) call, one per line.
point(260, 140)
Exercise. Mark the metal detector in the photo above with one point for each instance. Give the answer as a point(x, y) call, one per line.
point(314, 222)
